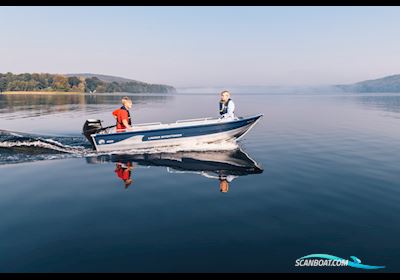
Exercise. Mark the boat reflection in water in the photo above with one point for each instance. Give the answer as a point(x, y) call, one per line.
point(223, 166)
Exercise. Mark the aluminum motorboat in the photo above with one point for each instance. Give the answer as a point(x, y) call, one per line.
point(155, 135)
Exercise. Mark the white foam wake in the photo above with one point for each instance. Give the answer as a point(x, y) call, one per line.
point(48, 144)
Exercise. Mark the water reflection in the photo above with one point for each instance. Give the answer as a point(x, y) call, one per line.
point(222, 166)
point(16, 106)
point(124, 172)
point(389, 103)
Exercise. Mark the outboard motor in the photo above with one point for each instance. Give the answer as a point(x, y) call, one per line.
point(90, 127)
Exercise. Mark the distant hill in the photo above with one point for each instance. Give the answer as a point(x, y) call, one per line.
point(385, 84)
point(104, 78)
point(126, 85)
point(76, 83)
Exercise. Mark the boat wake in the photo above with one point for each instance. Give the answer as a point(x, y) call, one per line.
point(17, 147)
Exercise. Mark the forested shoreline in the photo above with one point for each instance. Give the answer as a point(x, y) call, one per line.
point(45, 82)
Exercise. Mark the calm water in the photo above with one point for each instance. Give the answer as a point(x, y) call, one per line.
point(318, 174)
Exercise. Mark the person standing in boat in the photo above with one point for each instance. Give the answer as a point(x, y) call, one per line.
point(226, 106)
point(123, 116)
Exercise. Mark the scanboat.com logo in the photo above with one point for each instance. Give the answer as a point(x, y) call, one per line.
point(329, 260)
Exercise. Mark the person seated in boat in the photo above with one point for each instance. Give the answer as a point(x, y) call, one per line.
point(123, 116)
point(226, 106)
point(123, 172)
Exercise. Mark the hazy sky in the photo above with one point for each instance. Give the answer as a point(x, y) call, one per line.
point(205, 46)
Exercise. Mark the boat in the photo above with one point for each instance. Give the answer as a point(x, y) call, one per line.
point(218, 163)
point(155, 135)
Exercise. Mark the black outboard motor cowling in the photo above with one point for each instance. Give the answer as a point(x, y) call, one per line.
point(90, 127)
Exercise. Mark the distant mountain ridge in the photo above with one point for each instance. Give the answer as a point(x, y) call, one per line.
point(385, 84)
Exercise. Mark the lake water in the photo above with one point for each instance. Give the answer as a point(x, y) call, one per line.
point(318, 174)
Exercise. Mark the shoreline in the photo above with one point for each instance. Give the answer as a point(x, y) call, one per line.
point(41, 92)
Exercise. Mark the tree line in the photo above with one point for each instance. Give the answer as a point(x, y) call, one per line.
point(56, 82)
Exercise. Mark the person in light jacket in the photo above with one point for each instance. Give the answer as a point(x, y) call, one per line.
point(226, 106)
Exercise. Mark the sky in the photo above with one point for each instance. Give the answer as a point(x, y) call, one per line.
point(205, 46)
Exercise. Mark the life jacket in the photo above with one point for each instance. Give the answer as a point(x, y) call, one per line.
point(120, 113)
point(223, 107)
